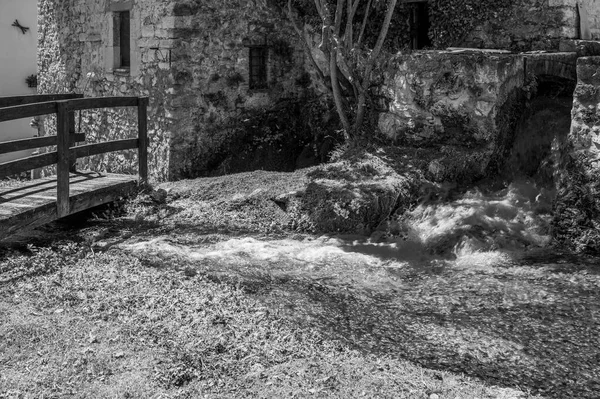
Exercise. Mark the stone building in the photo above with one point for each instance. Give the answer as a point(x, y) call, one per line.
point(205, 65)
point(520, 25)
point(213, 69)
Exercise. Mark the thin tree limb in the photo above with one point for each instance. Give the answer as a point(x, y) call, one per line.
point(360, 108)
point(384, 30)
point(305, 38)
point(339, 13)
point(364, 24)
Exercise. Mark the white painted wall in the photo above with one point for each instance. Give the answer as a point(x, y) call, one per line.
point(18, 53)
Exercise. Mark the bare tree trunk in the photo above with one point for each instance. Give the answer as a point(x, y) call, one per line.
point(337, 47)
point(337, 95)
point(362, 97)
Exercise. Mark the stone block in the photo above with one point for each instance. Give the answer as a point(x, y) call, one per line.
point(177, 22)
point(562, 3)
point(165, 33)
point(167, 43)
point(567, 45)
point(588, 70)
point(586, 48)
point(148, 43)
point(148, 31)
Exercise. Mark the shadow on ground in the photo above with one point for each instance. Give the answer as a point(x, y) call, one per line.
point(530, 322)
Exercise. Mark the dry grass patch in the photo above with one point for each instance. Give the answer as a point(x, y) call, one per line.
point(99, 325)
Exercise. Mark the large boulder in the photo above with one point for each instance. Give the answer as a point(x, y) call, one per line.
point(357, 194)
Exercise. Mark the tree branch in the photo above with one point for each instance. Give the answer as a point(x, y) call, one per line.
point(364, 24)
point(305, 39)
point(384, 30)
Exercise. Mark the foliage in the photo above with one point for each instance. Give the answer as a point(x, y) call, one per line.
point(452, 20)
point(31, 81)
point(352, 38)
point(291, 134)
point(197, 306)
point(138, 326)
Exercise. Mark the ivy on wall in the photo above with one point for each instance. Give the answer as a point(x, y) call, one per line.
point(452, 20)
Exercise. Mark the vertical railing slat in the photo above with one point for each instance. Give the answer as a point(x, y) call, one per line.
point(64, 162)
point(72, 160)
point(143, 139)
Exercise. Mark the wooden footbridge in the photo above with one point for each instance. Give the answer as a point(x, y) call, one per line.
point(33, 202)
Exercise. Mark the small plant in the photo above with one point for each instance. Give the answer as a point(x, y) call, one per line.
point(31, 81)
point(17, 25)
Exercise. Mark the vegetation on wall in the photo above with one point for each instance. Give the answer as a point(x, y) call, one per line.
point(452, 20)
point(292, 134)
point(352, 39)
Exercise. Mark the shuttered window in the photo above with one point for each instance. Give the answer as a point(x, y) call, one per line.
point(124, 40)
point(258, 68)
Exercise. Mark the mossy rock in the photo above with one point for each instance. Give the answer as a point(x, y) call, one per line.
point(355, 196)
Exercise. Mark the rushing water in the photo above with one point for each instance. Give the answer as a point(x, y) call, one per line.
point(514, 218)
point(511, 212)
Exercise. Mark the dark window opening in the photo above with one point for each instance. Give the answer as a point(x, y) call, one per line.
point(258, 68)
point(124, 36)
point(419, 25)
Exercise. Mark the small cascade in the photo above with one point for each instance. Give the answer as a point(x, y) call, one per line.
point(511, 212)
point(514, 218)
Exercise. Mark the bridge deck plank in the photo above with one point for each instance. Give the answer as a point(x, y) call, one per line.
point(31, 203)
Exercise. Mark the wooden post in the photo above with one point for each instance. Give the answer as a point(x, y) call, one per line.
point(143, 139)
point(64, 160)
point(72, 160)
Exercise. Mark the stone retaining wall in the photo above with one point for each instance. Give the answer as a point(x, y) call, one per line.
point(577, 210)
point(534, 25)
point(460, 104)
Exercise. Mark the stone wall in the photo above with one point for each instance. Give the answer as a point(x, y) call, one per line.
point(190, 57)
point(458, 104)
point(527, 25)
point(519, 25)
point(76, 55)
point(211, 76)
point(592, 8)
point(577, 210)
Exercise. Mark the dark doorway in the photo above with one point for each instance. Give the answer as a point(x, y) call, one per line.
point(419, 25)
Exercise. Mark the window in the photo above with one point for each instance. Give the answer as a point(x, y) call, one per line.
point(122, 37)
point(419, 25)
point(258, 68)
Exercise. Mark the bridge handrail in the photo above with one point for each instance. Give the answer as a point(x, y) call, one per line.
point(12, 101)
point(65, 155)
point(35, 142)
point(50, 107)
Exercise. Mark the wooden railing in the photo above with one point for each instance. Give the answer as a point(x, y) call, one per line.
point(64, 105)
